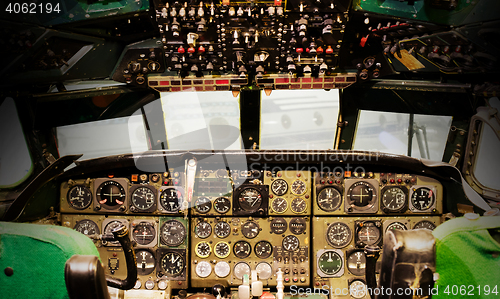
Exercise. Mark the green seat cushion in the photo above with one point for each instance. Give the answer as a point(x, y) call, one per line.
point(467, 255)
point(37, 255)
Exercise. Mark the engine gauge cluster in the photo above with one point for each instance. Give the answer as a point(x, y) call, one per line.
point(290, 192)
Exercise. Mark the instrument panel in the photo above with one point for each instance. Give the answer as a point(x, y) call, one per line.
point(312, 225)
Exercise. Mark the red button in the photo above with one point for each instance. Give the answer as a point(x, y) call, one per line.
point(308, 50)
point(299, 50)
point(329, 50)
point(400, 181)
point(295, 279)
point(330, 182)
point(191, 50)
point(181, 50)
point(201, 49)
point(392, 181)
point(319, 50)
point(287, 279)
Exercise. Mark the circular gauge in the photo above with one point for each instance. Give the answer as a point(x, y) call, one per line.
point(357, 289)
point(278, 225)
point(329, 199)
point(356, 262)
point(298, 187)
point(203, 249)
point(264, 270)
point(242, 249)
point(173, 233)
point(279, 205)
point(145, 262)
point(395, 225)
point(143, 198)
point(361, 195)
point(203, 205)
point(108, 230)
point(172, 263)
point(203, 229)
point(250, 199)
point(279, 187)
point(250, 229)
point(369, 233)
point(222, 205)
point(222, 269)
point(263, 249)
point(170, 200)
point(222, 250)
point(291, 243)
point(203, 269)
point(297, 225)
point(222, 229)
point(422, 198)
point(330, 262)
point(394, 199)
point(241, 269)
point(425, 225)
point(144, 233)
point(79, 197)
point(338, 234)
point(111, 194)
point(298, 205)
point(87, 227)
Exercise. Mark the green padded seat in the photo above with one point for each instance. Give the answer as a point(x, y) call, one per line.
point(32, 259)
point(468, 256)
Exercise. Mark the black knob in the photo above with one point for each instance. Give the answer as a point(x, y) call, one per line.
point(218, 289)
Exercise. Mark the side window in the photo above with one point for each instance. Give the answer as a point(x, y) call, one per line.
point(15, 159)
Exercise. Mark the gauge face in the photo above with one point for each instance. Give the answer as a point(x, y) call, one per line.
point(279, 187)
point(241, 269)
point(108, 230)
point(298, 187)
point(143, 198)
point(330, 262)
point(173, 233)
point(356, 262)
point(425, 225)
point(361, 195)
point(250, 199)
point(329, 199)
point(79, 197)
point(242, 249)
point(394, 199)
point(278, 225)
point(145, 262)
point(203, 249)
point(203, 205)
point(291, 243)
point(144, 233)
point(172, 263)
point(298, 205)
point(422, 198)
point(203, 229)
point(357, 289)
point(87, 227)
point(395, 225)
point(265, 270)
point(297, 225)
point(203, 269)
point(222, 269)
point(250, 229)
point(369, 233)
point(338, 234)
point(222, 229)
point(170, 200)
point(111, 194)
point(222, 205)
point(263, 249)
point(279, 205)
point(222, 250)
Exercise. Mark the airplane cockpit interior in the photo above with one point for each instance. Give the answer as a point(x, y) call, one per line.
point(249, 149)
